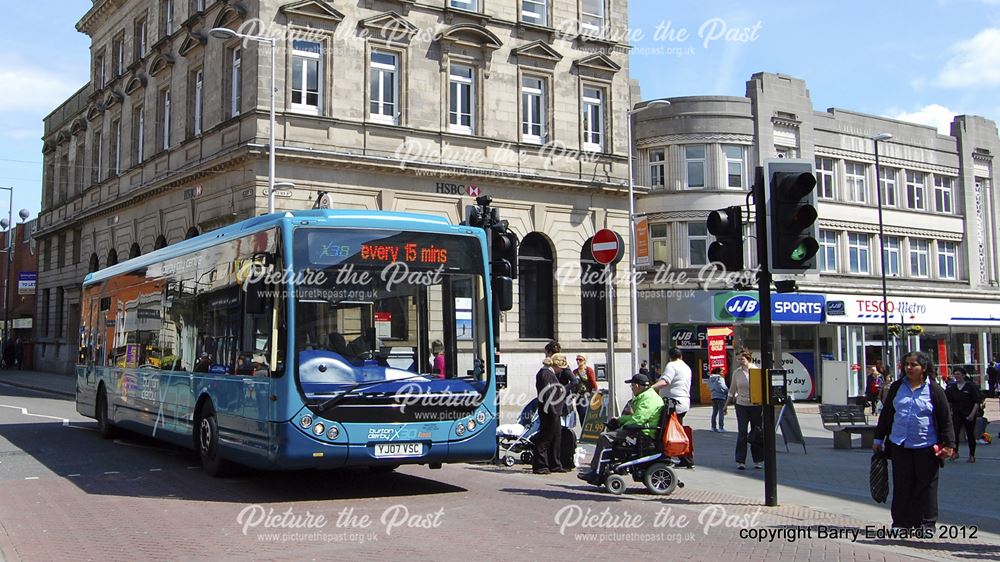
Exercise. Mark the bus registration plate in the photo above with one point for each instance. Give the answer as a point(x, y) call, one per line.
point(398, 450)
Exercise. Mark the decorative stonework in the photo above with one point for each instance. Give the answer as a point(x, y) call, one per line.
point(981, 233)
point(317, 9)
point(389, 25)
point(538, 50)
point(160, 63)
point(192, 41)
point(890, 230)
point(599, 62)
point(470, 35)
point(728, 138)
point(137, 82)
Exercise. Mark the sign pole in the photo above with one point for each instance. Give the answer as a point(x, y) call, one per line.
point(606, 247)
point(609, 294)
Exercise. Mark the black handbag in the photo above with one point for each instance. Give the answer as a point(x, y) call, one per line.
point(878, 476)
point(756, 436)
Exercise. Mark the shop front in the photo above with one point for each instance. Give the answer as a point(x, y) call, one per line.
point(953, 332)
point(693, 322)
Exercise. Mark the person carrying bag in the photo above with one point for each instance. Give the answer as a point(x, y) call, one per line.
point(915, 428)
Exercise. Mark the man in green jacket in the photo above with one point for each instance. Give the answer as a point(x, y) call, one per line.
point(646, 408)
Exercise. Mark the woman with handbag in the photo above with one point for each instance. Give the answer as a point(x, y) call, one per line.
point(916, 428)
point(748, 416)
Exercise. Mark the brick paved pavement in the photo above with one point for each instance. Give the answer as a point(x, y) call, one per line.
point(155, 507)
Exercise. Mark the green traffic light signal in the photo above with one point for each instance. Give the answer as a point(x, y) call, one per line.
point(791, 216)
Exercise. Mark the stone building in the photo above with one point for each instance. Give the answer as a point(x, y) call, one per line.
point(939, 201)
point(407, 105)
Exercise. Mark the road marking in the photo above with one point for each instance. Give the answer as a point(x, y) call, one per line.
point(31, 478)
point(156, 470)
point(71, 475)
point(25, 412)
point(112, 472)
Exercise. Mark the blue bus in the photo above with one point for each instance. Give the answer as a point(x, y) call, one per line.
point(303, 339)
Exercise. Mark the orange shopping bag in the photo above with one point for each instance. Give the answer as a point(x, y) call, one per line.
point(675, 440)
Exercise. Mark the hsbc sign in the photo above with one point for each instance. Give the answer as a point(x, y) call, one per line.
point(471, 190)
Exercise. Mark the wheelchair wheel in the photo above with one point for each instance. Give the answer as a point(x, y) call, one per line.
point(660, 479)
point(615, 484)
point(508, 461)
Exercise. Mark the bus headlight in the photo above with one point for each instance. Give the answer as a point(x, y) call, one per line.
point(318, 429)
point(481, 417)
point(460, 430)
point(471, 425)
point(306, 421)
point(333, 433)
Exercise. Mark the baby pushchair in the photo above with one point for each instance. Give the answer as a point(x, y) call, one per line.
point(514, 440)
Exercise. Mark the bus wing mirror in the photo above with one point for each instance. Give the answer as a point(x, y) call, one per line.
point(503, 293)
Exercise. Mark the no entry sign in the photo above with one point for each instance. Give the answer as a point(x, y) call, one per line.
point(607, 246)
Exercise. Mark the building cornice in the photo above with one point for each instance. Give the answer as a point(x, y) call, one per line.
point(891, 230)
point(884, 161)
point(101, 9)
point(734, 138)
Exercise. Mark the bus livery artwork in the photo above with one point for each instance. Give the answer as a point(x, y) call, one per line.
point(308, 339)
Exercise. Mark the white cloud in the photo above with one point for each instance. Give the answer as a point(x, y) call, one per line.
point(974, 62)
point(28, 87)
point(937, 116)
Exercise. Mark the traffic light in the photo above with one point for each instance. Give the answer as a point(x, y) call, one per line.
point(727, 227)
point(791, 216)
point(504, 247)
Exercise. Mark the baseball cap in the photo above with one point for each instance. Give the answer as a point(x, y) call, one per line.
point(639, 379)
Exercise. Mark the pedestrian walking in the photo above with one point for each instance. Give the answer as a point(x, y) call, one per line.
point(748, 416)
point(873, 386)
point(675, 383)
point(586, 388)
point(915, 426)
point(993, 375)
point(19, 354)
point(964, 398)
point(717, 386)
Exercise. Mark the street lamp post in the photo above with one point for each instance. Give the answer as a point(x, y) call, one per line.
point(226, 33)
point(632, 295)
point(4, 224)
point(881, 242)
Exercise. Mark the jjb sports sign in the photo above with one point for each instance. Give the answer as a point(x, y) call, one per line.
point(744, 308)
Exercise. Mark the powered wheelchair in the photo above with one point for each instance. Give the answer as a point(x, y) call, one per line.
point(640, 456)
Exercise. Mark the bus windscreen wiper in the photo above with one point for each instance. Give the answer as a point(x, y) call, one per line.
point(331, 402)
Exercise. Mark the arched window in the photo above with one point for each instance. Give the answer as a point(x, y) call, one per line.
point(134, 251)
point(593, 297)
point(191, 233)
point(94, 264)
point(535, 288)
point(161, 242)
point(112, 257)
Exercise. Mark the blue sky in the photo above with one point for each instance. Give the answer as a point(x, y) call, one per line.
point(920, 60)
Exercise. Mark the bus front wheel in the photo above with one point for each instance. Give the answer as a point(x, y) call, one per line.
point(208, 443)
